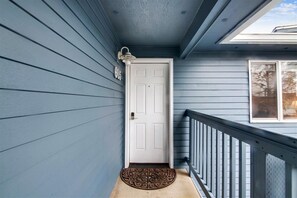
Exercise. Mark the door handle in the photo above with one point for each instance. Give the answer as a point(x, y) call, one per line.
point(133, 116)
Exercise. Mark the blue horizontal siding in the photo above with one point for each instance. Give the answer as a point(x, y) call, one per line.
point(217, 86)
point(61, 109)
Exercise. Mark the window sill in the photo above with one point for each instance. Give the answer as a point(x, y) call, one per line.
point(273, 121)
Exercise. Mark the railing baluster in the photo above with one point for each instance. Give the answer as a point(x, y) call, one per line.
point(190, 143)
point(294, 181)
point(200, 152)
point(195, 144)
point(212, 153)
point(242, 170)
point(232, 170)
point(218, 161)
point(198, 145)
point(224, 166)
point(194, 154)
point(206, 155)
point(203, 151)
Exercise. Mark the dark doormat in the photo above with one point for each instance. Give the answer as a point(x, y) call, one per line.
point(148, 178)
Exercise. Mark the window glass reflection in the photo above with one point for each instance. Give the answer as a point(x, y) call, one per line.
point(289, 90)
point(264, 90)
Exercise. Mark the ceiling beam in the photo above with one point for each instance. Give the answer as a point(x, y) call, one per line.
point(193, 34)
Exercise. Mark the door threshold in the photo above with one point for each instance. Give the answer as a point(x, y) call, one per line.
point(148, 165)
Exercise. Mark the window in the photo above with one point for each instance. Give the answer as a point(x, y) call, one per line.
point(273, 91)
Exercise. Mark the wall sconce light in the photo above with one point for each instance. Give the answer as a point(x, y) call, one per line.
point(127, 58)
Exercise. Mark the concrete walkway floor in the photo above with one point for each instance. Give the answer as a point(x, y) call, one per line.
point(182, 187)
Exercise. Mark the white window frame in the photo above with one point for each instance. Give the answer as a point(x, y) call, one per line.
point(279, 118)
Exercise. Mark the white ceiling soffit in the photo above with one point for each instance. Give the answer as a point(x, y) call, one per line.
point(235, 36)
point(281, 38)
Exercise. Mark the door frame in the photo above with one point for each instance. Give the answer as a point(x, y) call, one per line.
point(168, 61)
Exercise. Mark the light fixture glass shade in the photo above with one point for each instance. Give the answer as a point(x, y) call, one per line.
point(127, 57)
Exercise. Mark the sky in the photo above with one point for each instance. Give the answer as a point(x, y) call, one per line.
point(285, 13)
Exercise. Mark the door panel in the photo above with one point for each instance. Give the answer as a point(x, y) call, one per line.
point(159, 135)
point(140, 98)
point(159, 94)
point(140, 136)
point(158, 72)
point(149, 102)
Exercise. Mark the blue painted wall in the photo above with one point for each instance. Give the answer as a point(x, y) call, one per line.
point(61, 109)
point(217, 84)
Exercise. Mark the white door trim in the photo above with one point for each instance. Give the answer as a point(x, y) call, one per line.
point(168, 61)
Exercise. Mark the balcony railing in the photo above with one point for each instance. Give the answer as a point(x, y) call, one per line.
point(229, 159)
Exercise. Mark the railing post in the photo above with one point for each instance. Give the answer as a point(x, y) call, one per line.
point(258, 173)
point(291, 181)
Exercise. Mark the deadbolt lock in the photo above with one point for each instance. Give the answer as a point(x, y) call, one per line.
point(132, 115)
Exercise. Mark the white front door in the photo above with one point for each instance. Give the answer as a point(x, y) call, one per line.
point(149, 105)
